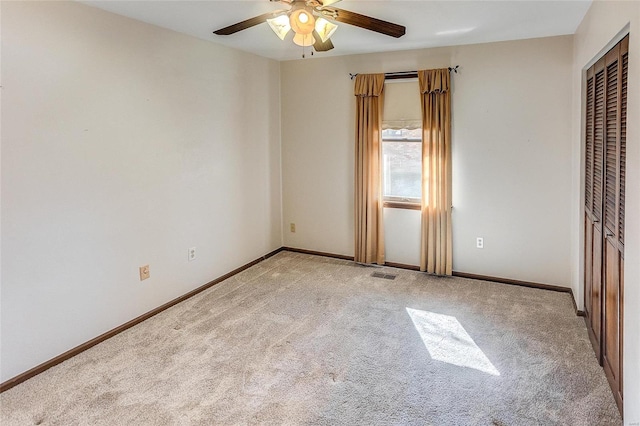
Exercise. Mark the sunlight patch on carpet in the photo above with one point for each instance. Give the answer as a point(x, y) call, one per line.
point(447, 341)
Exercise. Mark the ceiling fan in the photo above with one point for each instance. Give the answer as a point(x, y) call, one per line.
point(311, 23)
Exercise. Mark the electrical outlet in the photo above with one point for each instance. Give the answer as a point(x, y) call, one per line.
point(192, 254)
point(479, 242)
point(144, 272)
point(292, 227)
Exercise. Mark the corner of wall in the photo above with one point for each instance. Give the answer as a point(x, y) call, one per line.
point(281, 172)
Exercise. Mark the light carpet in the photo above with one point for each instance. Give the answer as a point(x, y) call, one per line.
point(300, 339)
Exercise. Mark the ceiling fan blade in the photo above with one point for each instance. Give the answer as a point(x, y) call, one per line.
point(328, 2)
point(366, 22)
point(231, 29)
point(319, 46)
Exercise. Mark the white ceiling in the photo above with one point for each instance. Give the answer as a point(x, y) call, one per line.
point(429, 23)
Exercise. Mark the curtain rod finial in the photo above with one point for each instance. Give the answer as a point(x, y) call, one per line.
point(454, 69)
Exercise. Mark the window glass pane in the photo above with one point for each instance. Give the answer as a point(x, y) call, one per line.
point(402, 134)
point(402, 169)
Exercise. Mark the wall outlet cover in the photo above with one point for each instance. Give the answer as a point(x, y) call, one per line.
point(144, 272)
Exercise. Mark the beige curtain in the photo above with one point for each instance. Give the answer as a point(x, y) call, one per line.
point(369, 233)
point(435, 246)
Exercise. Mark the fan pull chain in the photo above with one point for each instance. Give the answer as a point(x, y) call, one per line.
point(303, 46)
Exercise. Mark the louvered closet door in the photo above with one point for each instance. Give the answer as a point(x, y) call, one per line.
point(594, 178)
point(614, 174)
point(588, 214)
point(604, 209)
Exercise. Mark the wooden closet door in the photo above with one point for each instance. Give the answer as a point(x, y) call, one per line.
point(588, 214)
point(593, 211)
point(614, 171)
point(604, 209)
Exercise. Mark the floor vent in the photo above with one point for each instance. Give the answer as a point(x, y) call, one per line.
point(385, 276)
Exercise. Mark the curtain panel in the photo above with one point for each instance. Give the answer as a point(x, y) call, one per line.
point(435, 241)
point(369, 231)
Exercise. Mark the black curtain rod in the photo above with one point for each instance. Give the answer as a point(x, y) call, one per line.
point(404, 74)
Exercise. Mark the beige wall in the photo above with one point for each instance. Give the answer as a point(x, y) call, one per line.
point(124, 144)
point(511, 155)
point(604, 24)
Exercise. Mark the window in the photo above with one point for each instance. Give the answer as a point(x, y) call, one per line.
point(402, 166)
point(402, 145)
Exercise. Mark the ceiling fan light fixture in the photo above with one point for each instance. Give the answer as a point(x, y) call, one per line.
point(304, 40)
point(325, 29)
point(301, 16)
point(302, 21)
point(280, 25)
